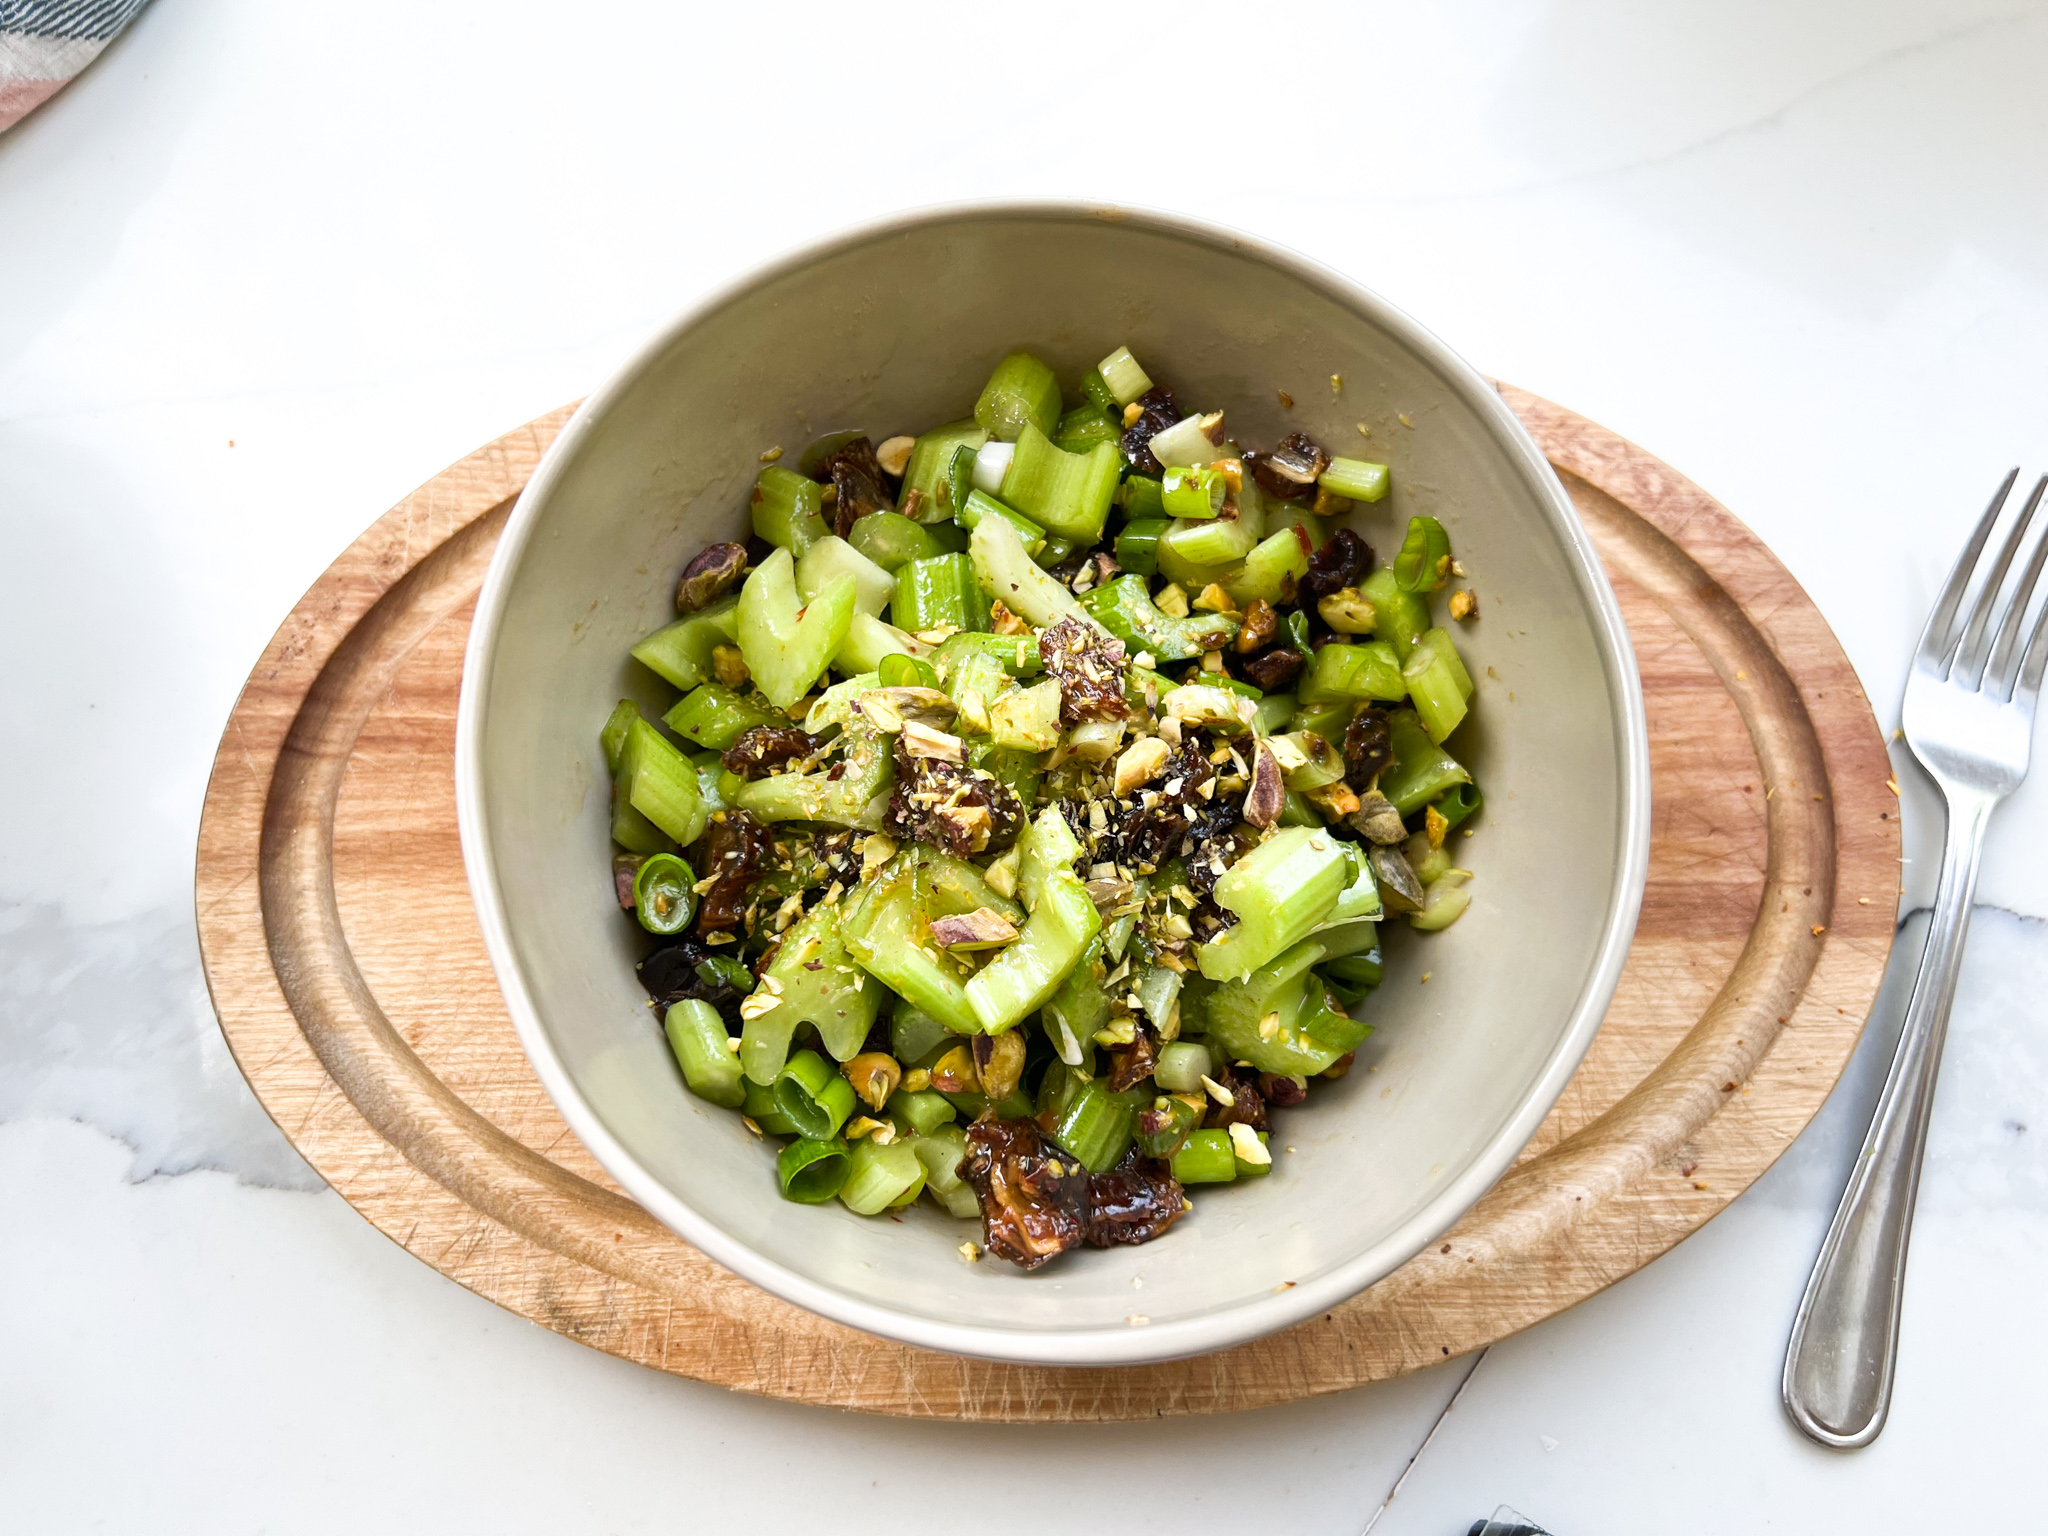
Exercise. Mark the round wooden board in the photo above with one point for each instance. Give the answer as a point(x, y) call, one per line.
point(351, 981)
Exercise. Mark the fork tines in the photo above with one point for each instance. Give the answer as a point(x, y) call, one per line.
point(1981, 644)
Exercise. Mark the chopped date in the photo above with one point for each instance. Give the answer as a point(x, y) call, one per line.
point(765, 749)
point(1271, 670)
point(1133, 1064)
point(1156, 412)
point(1368, 747)
point(958, 810)
point(856, 474)
point(691, 969)
point(1278, 1089)
point(1343, 562)
point(1290, 470)
point(730, 854)
point(1037, 1202)
point(1090, 668)
point(1245, 1106)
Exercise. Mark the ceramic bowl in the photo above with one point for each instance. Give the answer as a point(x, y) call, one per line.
point(893, 328)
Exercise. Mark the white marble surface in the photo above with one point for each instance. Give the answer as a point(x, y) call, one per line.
point(267, 267)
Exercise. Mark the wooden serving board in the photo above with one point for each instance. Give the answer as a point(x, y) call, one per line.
point(346, 966)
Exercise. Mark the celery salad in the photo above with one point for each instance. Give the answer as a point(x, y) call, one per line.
point(1037, 794)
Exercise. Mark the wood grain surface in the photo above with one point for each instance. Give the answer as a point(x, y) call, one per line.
point(349, 976)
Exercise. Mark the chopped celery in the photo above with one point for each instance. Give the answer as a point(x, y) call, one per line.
point(1280, 891)
point(1185, 442)
point(1083, 427)
point(1421, 769)
point(1277, 1019)
point(1056, 550)
point(1326, 720)
point(812, 980)
point(1189, 491)
point(811, 1095)
point(950, 887)
point(974, 681)
point(1125, 608)
point(1006, 572)
point(1122, 376)
point(832, 557)
point(881, 1177)
point(1276, 713)
point(811, 1171)
point(929, 470)
point(1027, 719)
point(1355, 480)
point(613, 737)
point(1159, 988)
point(1361, 899)
point(942, 1150)
point(1142, 496)
point(942, 591)
point(1137, 545)
point(702, 1049)
point(1021, 393)
point(1206, 549)
point(868, 640)
point(660, 783)
point(714, 716)
point(784, 510)
point(1021, 978)
point(1438, 683)
point(980, 504)
point(1444, 901)
point(1182, 1066)
point(1206, 1158)
point(890, 539)
point(681, 652)
point(1321, 763)
point(855, 798)
point(1018, 654)
point(1184, 1115)
point(915, 1034)
point(1424, 563)
point(1080, 1007)
point(1064, 493)
point(1357, 672)
point(1402, 616)
point(1015, 766)
point(1095, 1125)
point(921, 1112)
point(788, 644)
point(840, 703)
point(1272, 569)
point(891, 940)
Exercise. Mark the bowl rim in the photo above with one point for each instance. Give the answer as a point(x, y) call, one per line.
point(1116, 1345)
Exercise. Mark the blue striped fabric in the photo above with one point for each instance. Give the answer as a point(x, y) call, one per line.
point(99, 19)
point(45, 43)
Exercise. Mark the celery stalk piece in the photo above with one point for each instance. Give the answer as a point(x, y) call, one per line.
point(974, 681)
point(1438, 683)
point(1208, 545)
point(1327, 720)
point(891, 540)
point(1304, 1036)
point(942, 1150)
point(832, 557)
point(1355, 479)
point(681, 652)
point(839, 703)
point(915, 1035)
point(929, 469)
point(940, 592)
point(881, 1177)
point(633, 831)
point(661, 784)
point(1280, 891)
point(1064, 493)
point(1272, 569)
point(1357, 672)
point(1018, 654)
point(1137, 545)
point(1321, 763)
point(1095, 1125)
point(980, 504)
point(1185, 443)
point(613, 737)
point(1276, 713)
point(1142, 496)
point(950, 887)
point(785, 509)
point(1021, 393)
point(1124, 378)
point(836, 998)
point(1080, 1007)
point(1083, 427)
point(857, 798)
point(920, 1113)
point(1023, 977)
point(1006, 572)
point(1402, 616)
point(1421, 769)
point(715, 717)
point(891, 940)
point(1158, 989)
point(1125, 608)
point(1192, 491)
point(868, 640)
point(1182, 1066)
point(697, 1036)
point(1361, 899)
point(1206, 1158)
point(788, 644)
point(1027, 719)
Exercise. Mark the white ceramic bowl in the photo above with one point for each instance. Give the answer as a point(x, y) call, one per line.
point(894, 328)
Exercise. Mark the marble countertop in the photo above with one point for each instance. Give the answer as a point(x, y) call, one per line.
point(265, 268)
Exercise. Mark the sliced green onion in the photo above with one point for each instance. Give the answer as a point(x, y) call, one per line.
point(906, 672)
point(1191, 492)
point(812, 1094)
point(1055, 551)
point(1424, 563)
point(785, 509)
point(1065, 493)
point(1021, 393)
point(939, 592)
point(1137, 546)
point(1095, 390)
point(715, 717)
point(1206, 1159)
point(881, 1177)
point(1459, 803)
point(892, 540)
point(681, 652)
point(1125, 380)
point(704, 1051)
point(1142, 496)
point(1355, 479)
point(1247, 1168)
point(812, 1171)
point(663, 896)
point(1182, 1066)
point(1355, 672)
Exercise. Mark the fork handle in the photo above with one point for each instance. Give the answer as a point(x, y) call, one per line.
point(1845, 1340)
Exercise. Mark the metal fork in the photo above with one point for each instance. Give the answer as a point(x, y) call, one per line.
point(1969, 718)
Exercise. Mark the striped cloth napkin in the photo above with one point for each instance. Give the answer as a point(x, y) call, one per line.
point(43, 43)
